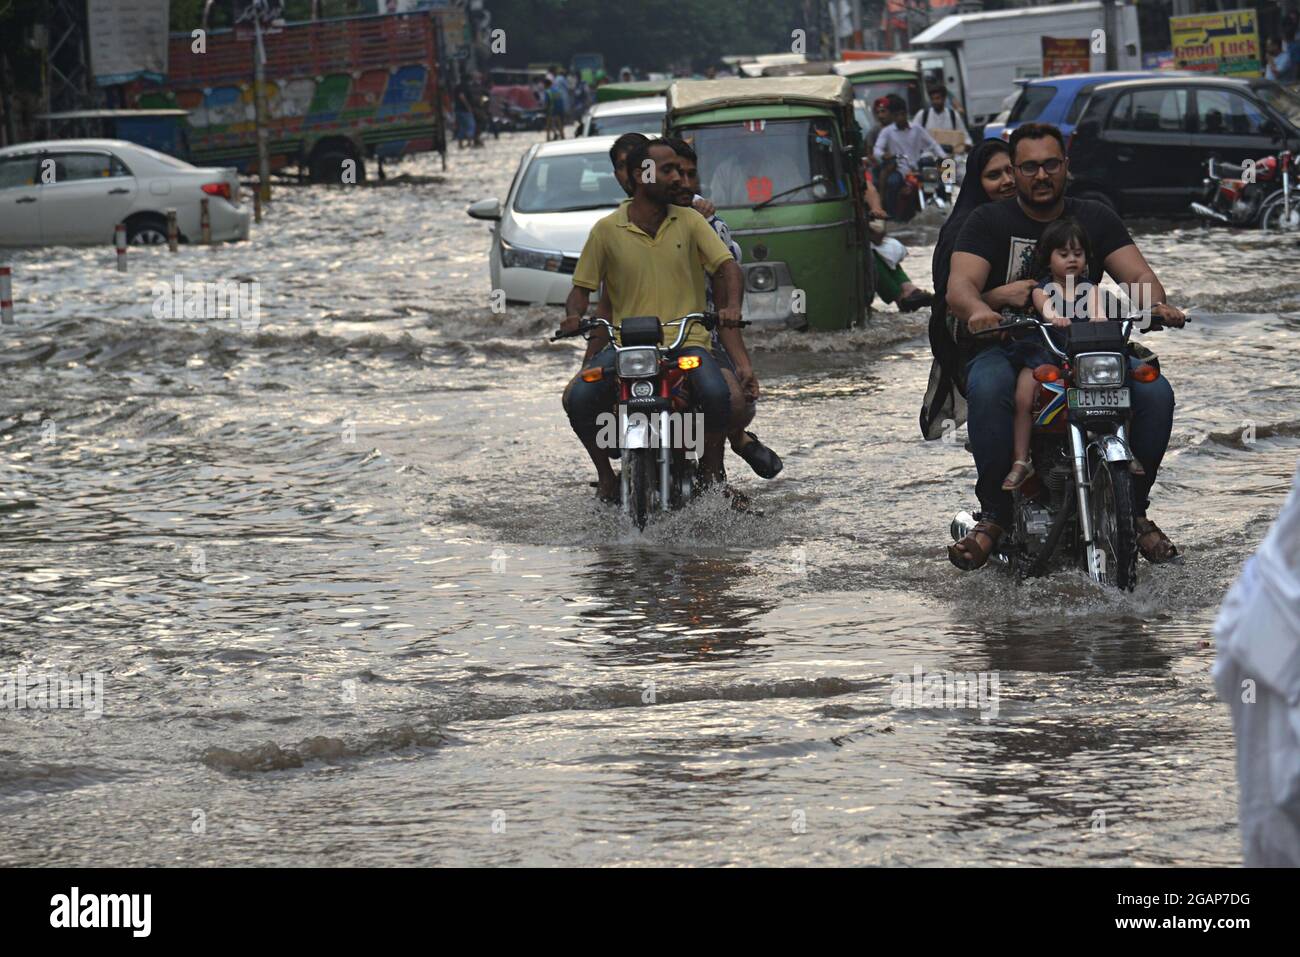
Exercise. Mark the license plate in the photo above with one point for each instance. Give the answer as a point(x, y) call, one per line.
point(1098, 398)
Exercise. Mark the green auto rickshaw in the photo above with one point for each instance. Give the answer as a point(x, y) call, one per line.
point(630, 90)
point(780, 157)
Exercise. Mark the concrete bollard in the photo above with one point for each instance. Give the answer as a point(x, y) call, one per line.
point(205, 224)
point(6, 296)
point(173, 234)
point(257, 203)
point(119, 240)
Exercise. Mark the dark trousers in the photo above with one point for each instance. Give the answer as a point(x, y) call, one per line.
point(585, 401)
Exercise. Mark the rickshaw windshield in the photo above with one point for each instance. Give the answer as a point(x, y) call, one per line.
point(750, 162)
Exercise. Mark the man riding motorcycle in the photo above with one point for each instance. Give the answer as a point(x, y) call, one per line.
point(744, 389)
point(996, 244)
point(651, 256)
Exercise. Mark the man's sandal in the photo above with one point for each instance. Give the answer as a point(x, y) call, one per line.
point(1021, 469)
point(1154, 544)
point(968, 554)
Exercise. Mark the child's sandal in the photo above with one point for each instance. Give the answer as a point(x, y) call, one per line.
point(1021, 469)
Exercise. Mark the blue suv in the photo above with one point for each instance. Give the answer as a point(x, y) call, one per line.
point(1059, 100)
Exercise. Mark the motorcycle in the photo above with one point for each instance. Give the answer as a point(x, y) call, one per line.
point(1270, 200)
point(1079, 502)
point(929, 184)
point(652, 434)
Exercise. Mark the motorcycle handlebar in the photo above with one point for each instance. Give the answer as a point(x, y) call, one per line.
point(709, 320)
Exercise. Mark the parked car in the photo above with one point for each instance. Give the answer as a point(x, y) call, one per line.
point(1141, 145)
point(559, 192)
point(75, 192)
point(1059, 100)
point(641, 115)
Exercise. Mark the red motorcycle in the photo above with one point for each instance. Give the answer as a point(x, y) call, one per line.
point(1262, 194)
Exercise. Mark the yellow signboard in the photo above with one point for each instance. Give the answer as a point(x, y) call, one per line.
point(1226, 44)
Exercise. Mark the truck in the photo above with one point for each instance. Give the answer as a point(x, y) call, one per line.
point(353, 88)
point(979, 56)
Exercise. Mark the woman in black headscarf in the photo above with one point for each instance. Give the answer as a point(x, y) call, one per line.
point(988, 179)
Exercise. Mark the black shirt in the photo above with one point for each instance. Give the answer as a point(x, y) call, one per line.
point(1001, 234)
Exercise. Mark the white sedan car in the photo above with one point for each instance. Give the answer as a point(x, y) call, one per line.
point(75, 192)
point(561, 189)
point(642, 114)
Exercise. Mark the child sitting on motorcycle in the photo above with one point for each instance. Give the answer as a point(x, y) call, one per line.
point(1064, 294)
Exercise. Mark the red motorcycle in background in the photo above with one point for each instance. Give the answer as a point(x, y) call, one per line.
point(1264, 196)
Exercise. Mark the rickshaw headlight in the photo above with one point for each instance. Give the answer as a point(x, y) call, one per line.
point(760, 279)
point(1100, 370)
point(635, 363)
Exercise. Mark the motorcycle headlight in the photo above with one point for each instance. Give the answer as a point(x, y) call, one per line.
point(1100, 370)
point(638, 362)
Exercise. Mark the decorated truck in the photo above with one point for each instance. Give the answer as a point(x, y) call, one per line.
point(355, 88)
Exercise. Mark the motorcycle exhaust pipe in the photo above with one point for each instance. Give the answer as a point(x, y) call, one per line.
point(1200, 209)
point(963, 523)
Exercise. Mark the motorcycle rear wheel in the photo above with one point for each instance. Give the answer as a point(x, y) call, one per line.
point(1113, 522)
point(642, 466)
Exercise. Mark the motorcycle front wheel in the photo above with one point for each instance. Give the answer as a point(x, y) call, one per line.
point(1113, 523)
point(1275, 217)
point(642, 465)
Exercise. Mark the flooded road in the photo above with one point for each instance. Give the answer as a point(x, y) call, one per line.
point(353, 602)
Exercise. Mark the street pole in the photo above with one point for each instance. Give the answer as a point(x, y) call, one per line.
point(259, 113)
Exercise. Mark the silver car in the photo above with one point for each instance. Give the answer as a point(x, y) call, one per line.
point(561, 189)
point(75, 192)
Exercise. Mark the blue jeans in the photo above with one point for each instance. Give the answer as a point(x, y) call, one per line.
point(893, 184)
point(991, 407)
point(464, 125)
point(585, 401)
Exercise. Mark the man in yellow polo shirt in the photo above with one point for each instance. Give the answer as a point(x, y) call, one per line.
point(649, 254)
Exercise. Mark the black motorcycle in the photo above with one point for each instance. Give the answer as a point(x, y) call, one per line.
point(1078, 506)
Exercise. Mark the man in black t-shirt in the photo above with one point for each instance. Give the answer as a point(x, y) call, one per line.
point(996, 247)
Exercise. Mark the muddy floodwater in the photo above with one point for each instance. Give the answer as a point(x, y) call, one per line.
point(352, 602)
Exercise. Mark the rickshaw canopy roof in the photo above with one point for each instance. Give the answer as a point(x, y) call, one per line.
point(631, 89)
point(686, 97)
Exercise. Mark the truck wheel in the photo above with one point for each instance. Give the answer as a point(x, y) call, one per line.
point(327, 166)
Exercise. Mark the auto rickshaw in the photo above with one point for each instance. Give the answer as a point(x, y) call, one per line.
point(631, 89)
point(780, 158)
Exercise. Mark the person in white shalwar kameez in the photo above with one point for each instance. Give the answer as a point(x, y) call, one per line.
point(1257, 671)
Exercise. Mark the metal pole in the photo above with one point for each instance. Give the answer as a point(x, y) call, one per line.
point(205, 224)
point(172, 235)
point(6, 296)
point(119, 240)
point(259, 105)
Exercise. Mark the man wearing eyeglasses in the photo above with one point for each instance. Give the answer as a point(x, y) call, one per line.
point(995, 247)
